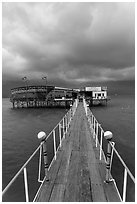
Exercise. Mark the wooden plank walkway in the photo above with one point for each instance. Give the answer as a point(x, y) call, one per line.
point(77, 175)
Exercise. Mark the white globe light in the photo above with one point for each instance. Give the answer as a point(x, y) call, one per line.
point(41, 135)
point(108, 135)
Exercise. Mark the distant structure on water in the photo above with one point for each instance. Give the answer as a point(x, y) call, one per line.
point(95, 95)
point(52, 96)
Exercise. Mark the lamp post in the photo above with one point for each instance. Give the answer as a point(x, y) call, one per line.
point(45, 78)
point(26, 84)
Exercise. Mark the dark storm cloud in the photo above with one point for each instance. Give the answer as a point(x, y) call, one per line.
point(70, 42)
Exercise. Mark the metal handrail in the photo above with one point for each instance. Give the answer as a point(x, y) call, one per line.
point(23, 168)
point(123, 163)
point(93, 124)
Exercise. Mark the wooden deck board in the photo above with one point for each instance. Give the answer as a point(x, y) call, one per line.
point(47, 187)
point(57, 193)
point(78, 175)
point(71, 190)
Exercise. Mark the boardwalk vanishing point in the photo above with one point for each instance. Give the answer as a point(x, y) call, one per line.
point(78, 175)
point(79, 171)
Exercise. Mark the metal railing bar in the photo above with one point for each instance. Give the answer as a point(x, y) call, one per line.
point(54, 129)
point(39, 173)
point(117, 189)
point(39, 189)
point(54, 139)
point(60, 139)
point(102, 129)
point(97, 134)
point(125, 185)
point(56, 125)
point(113, 143)
point(65, 124)
point(100, 151)
point(49, 135)
point(94, 122)
point(63, 127)
point(56, 152)
point(54, 155)
point(21, 169)
point(130, 174)
point(26, 185)
point(128, 171)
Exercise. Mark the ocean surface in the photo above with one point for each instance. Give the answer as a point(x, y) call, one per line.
point(19, 139)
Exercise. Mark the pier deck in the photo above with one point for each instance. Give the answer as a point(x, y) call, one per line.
point(78, 175)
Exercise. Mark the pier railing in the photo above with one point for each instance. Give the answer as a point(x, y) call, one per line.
point(56, 136)
point(101, 143)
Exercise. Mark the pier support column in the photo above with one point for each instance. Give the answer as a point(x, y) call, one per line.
point(108, 136)
point(42, 137)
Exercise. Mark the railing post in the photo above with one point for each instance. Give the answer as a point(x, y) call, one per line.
point(86, 108)
point(42, 137)
point(63, 127)
point(108, 136)
point(125, 185)
point(60, 135)
point(70, 112)
point(101, 138)
point(96, 134)
point(40, 153)
point(69, 118)
point(66, 123)
point(26, 185)
point(94, 128)
point(75, 104)
point(112, 143)
point(73, 108)
point(54, 139)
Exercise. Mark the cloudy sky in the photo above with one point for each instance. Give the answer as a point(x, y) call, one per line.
point(71, 43)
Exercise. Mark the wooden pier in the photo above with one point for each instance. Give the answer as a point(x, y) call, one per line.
point(77, 174)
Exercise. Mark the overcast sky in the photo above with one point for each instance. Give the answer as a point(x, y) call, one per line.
point(71, 43)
